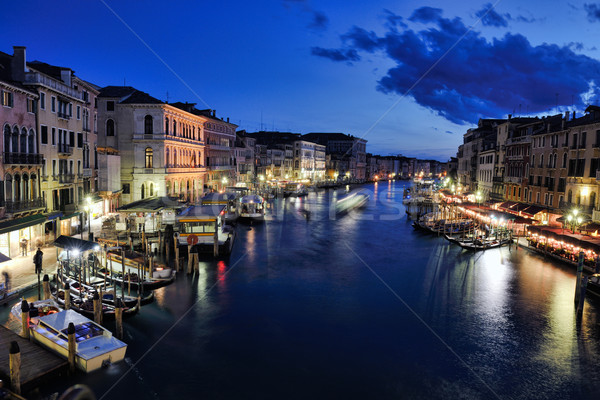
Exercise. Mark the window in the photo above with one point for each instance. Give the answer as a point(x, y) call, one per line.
point(70, 110)
point(44, 133)
point(126, 188)
point(7, 99)
point(166, 126)
point(110, 106)
point(31, 105)
point(582, 140)
point(53, 167)
point(149, 153)
point(42, 100)
point(78, 112)
point(71, 138)
point(110, 127)
point(53, 136)
point(53, 104)
point(148, 125)
point(80, 140)
point(564, 162)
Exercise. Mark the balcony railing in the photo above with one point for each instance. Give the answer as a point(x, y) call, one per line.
point(24, 205)
point(63, 115)
point(22, 158)
point(65, 149)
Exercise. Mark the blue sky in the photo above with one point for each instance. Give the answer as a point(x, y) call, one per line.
point(411, 77)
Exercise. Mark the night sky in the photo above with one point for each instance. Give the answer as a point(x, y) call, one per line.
point(411, 77)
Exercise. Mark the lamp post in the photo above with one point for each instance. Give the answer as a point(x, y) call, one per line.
point(88, 210)
point(478, 197)
point(574, 219)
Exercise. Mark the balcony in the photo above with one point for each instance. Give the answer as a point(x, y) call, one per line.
point(22, 158)
point(36, 77)
point(63, 115)
point(498, 179)
point(24, 205)
point(65, 149)
point(65, 178)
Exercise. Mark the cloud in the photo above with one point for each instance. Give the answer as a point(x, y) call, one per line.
point(593, 11)
point(336, 54)
point(490, 17)
point(472, 77)
point(318, 20)
point(426, 14)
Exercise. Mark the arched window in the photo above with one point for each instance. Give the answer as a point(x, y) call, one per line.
point(31, 141)
point(149, 154)
point(167, 159)
point(25, 187)
point(570, 196)
point(166, 126)
point(143, 191)
point(15, 140)
point(175, 158)
point(17, 187)
point(174, 128)
point(7, 148)
point(151, 189)
point(564, 163)
point(34, 186)
point(148, 124)
point(8, 187)
point(593, 199)
point(23, 141)
point(110, 127)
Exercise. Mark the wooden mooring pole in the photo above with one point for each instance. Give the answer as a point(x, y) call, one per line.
point(72, 346)
point(119, 318)
point(190, 260)
point(15, 367)
point(25, 318)
point(46, 286)
point(578, 278)
point(67, 293)
point(582, 290)
point(97, 308)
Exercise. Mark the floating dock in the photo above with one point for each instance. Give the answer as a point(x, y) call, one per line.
point(37, 363)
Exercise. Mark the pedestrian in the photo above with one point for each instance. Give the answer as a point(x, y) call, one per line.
point(37, 260)
point(23, 247)
point(6, 281)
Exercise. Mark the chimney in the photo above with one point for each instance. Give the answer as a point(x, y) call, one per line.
point(65, 76)
point(227, 119)
point(572, 118)
point(214, 113)
point(567, 113)
point(18, 63)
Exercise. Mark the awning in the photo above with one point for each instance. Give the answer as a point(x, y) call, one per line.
point(71, 215)
point(71, 243)
point(532, 210)
point(55, 215)
point(152, 204)
point(20, 223)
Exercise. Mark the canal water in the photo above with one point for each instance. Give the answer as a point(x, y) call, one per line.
point(358, 306)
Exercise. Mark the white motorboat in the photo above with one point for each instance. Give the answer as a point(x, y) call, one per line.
point(355, 199)
point(95, 346)
point(253, 207)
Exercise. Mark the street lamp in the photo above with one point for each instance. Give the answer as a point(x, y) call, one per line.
point(88, 210)
point(478, 197)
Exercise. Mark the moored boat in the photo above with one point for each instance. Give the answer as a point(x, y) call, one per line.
point(95, 345)
point(204, 228)
point(252, 207)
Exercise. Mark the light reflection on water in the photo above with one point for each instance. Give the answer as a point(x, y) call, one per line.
point(301, 316)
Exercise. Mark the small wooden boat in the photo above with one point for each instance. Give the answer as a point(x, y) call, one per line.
point(86, 292)
point(117, 277)
point(484, 244)
point(86, 306)
point(95, 345)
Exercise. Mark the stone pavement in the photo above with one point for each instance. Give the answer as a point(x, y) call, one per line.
point(21, 270)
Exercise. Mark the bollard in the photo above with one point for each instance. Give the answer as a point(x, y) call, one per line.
point(578, 279)
point(46, 285)
point(72, 346)
point(67, 293)
point(119, 318)
point(190, 259)
point(584, 283)
point(15, 367)
point(25, 318)
point(196, 264)
point(97, 308)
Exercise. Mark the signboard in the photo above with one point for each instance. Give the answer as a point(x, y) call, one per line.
point(192, 240)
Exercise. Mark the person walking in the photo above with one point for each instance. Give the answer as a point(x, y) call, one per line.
point(37, 260)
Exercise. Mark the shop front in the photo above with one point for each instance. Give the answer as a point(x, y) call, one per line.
point(70, 224)
point(21, 235)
